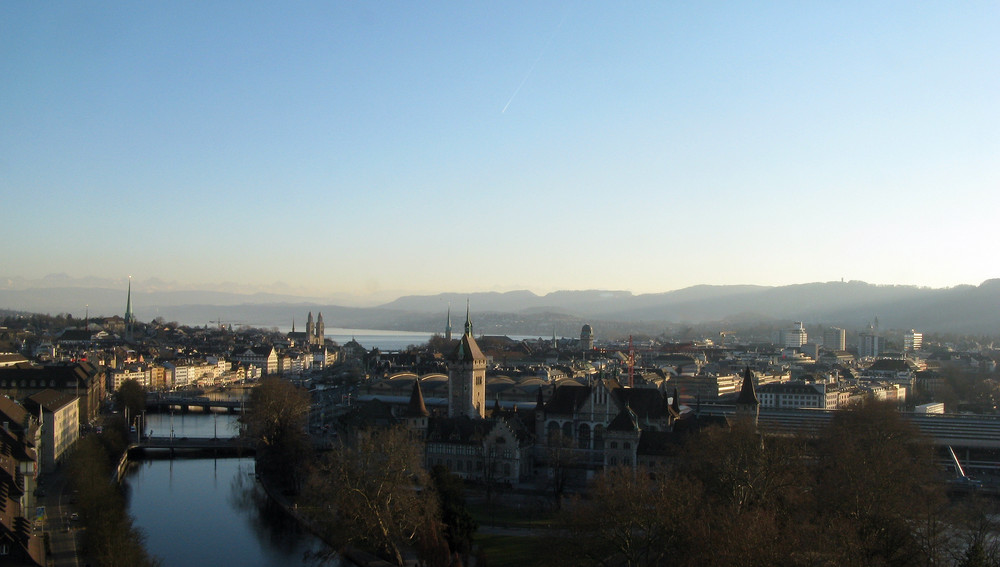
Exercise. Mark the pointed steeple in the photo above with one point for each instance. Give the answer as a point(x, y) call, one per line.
point(747, 404)
point(416, 407)
point(676, 402)
point(468, 319)
point(128, 312)
point(293, 324)
point(447, 327)
point(748, 394)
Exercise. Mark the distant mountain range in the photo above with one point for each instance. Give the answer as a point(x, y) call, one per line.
point(963, 309)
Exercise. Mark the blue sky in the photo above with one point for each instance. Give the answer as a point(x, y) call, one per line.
point(376, 147)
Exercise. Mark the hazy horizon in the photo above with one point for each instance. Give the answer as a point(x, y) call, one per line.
point(155, 285)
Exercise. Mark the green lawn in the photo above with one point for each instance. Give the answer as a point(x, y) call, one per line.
point(511, 551)
point(524, 517)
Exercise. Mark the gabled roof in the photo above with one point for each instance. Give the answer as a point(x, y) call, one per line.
point(566, 400)
point(647, 403)
point(891, 365)
point(460, 429)
point(11, 412)
point(626, 420)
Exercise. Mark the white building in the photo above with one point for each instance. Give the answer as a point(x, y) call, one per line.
point(794, 337)
point(60, 424)
point(797, 395)
point(912, 341)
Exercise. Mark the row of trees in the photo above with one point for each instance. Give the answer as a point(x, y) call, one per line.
point(371, 492)
point(866, 492)
point(111, 538)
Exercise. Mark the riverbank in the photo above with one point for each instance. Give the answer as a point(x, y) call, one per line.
point(347, 557)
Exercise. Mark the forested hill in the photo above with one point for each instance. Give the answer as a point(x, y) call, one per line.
point(964, 309)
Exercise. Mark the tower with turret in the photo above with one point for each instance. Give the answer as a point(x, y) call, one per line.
point(467, 376)
point(587, 338)
point(320, 335)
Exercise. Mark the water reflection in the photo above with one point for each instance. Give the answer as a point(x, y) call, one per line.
point(212, 511)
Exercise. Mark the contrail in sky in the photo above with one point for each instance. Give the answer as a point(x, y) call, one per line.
point(532, 68)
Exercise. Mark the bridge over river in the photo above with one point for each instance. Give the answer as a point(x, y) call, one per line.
point(184, 404)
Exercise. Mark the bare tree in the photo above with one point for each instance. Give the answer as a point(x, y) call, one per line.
point(375, 493)
point(629, 518)
point(276, 418)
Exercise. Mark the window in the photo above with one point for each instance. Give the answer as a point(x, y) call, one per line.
point(553, 431)
point(583, 436)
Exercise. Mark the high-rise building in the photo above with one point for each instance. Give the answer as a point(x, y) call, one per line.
point(587, 338)
point(912, 341)
point(835, 338)
point(870, 343)
point(794, 337)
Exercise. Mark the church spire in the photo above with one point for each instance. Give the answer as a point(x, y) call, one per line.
point(128, 311)
point(468, 319)
point(447, 327)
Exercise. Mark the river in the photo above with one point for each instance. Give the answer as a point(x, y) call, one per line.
point(212, 511)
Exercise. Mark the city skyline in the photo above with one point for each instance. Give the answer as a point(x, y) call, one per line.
point(389, 149)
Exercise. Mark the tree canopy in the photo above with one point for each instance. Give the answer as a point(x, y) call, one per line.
point(373, 492)
point(864, 492)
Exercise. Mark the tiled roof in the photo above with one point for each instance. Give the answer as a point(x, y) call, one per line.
point(467, 350)
point(461, 429)
point(50, 400)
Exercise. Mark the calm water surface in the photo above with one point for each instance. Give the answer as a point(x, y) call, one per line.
point(211, 511)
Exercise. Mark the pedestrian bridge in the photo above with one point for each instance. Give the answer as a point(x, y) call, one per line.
point(170, 447)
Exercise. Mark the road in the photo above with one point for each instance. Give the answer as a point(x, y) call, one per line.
point(64, 533)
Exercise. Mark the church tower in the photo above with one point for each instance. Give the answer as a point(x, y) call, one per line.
point(467, 376)
point(310, 327)
point(129, 318)
point(447, 327)
point(320, 337)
